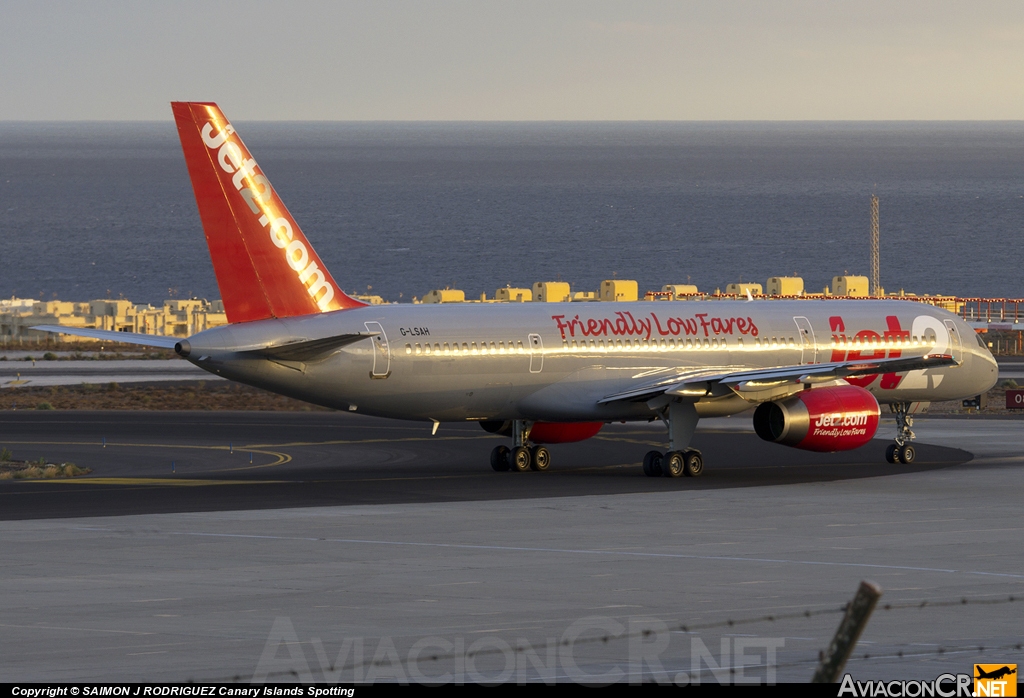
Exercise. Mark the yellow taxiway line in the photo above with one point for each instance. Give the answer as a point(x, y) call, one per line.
point(159, 481)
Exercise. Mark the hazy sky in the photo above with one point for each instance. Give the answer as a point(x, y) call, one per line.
point(513, 60)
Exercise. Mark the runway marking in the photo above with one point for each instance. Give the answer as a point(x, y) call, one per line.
point(346, 442)
point(172, 598)
point(996, 459)
point(560, 551)
point(645, 442)
point(282, 458)
point(159, 481)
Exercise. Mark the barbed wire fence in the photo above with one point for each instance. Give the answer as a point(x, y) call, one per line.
point(894, 652)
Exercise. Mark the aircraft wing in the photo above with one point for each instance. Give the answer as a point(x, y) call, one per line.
point(756, 385)
point(149, 340)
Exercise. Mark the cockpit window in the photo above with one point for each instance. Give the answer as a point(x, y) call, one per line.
point(981, 342)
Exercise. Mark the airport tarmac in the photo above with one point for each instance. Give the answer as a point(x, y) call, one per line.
point(352, 547)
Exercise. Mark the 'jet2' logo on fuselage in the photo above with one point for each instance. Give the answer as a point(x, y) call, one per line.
point(894, 332)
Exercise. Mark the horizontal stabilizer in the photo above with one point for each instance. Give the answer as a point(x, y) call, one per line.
point(149, 340)
point(309, 349)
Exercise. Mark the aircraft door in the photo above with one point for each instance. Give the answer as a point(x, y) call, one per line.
point(956, 348)
point(381, 351)
point(536, 353)
point(808, 347)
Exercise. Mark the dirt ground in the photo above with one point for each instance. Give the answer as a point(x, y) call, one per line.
point(198, 395)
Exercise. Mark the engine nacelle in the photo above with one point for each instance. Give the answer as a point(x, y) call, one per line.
point(839, 418)
point(549, 432)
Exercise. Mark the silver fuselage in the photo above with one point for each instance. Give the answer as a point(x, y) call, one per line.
point(555, 361)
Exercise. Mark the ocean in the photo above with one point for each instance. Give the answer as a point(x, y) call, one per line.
point(91, 210)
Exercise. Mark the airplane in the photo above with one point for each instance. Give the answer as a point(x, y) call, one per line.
point(995, 674)
point(815, 371)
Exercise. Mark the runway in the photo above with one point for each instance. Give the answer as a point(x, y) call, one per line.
point(216, 461)
point(360, 549)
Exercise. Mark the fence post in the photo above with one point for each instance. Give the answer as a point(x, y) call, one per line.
point(856, 619)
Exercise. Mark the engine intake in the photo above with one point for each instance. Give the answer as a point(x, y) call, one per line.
point(839, 418)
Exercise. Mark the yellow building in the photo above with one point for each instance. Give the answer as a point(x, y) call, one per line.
point(552, 292)
point(445, 295)
point(176, 318)
point(513, 295)
point(852, 286)
point(785, 286)
point(618, 290)
point(680, 290)
point(741, 289)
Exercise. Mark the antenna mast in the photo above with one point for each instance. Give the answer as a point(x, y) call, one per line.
point(876, 286)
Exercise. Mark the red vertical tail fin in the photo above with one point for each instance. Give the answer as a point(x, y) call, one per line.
point(265, 267)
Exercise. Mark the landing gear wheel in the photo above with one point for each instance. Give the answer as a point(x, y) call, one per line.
point(907, 454)
point(693, 464)
point(540, 458)
point(891, 453)
point(652, 464)
point(500, 458)
point(521, 459)
point(673, 464)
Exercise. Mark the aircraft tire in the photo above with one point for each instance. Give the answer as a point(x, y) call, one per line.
point(652, 464)
point(673, 464)
point(907, 454)
point(540, 458)
point(693, 464)
point(892, 453)
point(500, 459)
point(521, 459)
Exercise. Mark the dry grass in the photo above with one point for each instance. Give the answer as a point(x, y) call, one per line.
point(49, 343)
point(22, 470)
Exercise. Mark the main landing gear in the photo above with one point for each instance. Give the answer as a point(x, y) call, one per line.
point(674, 463)
point(902, 451)
point(521, 457)
point(680, 459)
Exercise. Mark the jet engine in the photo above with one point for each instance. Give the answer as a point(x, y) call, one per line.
point(549, 432)
point(838, 418)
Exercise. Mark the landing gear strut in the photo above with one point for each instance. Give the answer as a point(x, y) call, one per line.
point(902, 451)
point(522, 456)
point(680, 460)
